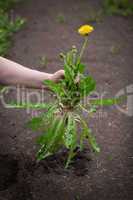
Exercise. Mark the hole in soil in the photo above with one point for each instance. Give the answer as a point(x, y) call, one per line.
point(8, 171)
point(56, 163)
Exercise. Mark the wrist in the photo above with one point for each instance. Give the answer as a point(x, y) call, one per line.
point(50, 77)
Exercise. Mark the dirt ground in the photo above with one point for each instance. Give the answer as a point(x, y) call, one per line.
point(108, 175)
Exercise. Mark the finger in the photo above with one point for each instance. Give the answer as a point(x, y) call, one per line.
point(60, 74)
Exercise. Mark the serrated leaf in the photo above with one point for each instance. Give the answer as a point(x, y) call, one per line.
point(91, 138)
point(71, 138)
point(52, 139)
point(70, 133)
point(92, 141)
point(40, 122)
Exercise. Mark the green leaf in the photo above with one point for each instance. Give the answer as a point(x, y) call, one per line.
point(71, 155)
point(81, 68)
point(71, 138)
point(69, 58)
point(36, 123)
point(55, 87)
point(70, 133)
point(53, 139)
point(41, 139)
point(16, 25)
point(87, 85)
point(106, 102)
point(42, 122)
point(92, 141)
point(69, 74)
point(91, 138)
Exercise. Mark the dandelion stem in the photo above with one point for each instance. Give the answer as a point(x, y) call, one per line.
point(83, 47)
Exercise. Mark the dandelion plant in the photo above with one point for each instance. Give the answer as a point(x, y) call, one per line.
point(63, 123)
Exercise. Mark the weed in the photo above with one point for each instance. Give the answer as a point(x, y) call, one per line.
point(7, 4)
point(61, 119)
point(61, 18)
point(115, 49)
point(110, 157)
point(7, 26)
point(119, 7)
point(44, 61)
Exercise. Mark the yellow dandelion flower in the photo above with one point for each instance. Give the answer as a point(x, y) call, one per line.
point(85, 30)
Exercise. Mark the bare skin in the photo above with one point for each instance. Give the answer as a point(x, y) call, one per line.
point(12, 73)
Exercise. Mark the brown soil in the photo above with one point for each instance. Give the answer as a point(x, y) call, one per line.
point(108, 175)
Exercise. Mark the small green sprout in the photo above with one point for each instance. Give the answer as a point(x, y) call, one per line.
point(61, 18)
point(44, 61)
point(115, 49)
point(7, 29)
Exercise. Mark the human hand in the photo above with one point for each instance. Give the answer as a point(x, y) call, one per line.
point(57, 76)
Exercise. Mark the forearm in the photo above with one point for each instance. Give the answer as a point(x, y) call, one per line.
point(12, 73)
